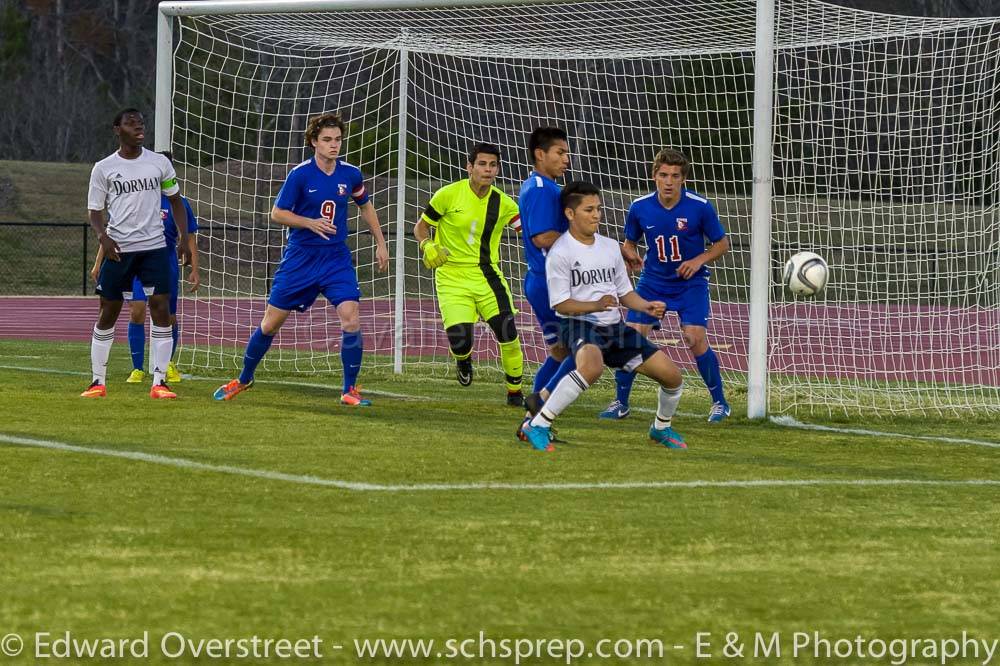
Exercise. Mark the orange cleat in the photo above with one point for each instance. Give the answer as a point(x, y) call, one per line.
point(353, 398)
point(95, 390)
point(161, 392)
point(231, 389)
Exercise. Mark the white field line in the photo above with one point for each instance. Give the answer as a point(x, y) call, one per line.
point(785, 421)
point(184, 463)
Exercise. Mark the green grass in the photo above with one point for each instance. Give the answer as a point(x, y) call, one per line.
point(109, 547)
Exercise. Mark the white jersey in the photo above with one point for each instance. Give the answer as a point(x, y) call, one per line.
point(582, 272)
point(130, 190)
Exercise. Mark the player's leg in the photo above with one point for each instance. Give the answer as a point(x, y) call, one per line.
point(693, 311)
point(351, 353)
point(537, 294)
point(457, 304)
point(496, 306)
point(257, 346)
point(113, 279)
point(460, 338)
point(173, 374)
point(644, 323)
point(137, 332)
point(587, 345)
point(153, 270)
point(664, 372)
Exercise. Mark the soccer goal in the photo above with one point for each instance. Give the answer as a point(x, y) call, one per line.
point(877, 146)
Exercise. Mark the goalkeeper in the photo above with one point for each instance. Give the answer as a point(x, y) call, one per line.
point(469, 217)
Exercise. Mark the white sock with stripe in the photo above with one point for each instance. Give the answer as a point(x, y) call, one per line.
point(567, 390)
point(100, 350)
point(161, 340)
point(666, 406)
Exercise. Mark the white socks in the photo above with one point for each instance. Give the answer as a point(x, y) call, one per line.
point(100, 349)
point(161, 341)
point(667, 406)
point(567, 390)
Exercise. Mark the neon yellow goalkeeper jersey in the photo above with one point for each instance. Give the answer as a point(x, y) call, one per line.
point(468, 226)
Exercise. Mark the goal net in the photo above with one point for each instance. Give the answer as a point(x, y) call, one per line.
point(886, 162)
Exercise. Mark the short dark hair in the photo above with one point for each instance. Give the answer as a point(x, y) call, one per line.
point(318, 123)
point(544, 137)
point(485, 148)
point(673, 158)
point(121, 114)
point(574, 193)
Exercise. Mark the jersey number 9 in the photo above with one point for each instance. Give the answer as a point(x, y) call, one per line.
point(328, 209)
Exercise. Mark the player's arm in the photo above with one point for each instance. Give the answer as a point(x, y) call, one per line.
point(434, 254)
point(180, 219)
point(633, 232)
point(96, 268)
point(634, 301)
point(370, 218)
point(108, 245)
point(630, 253)
point(544, 240)
point(557, 279)
point(319, 226)
point(195, 276)
point(715, 250)
point(97, 196)
point(571, 307)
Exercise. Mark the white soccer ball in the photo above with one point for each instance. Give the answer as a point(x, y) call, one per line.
point(806, 274)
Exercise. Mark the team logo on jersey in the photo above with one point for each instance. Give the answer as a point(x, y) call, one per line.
point(163, 213)
point(682, 224)
point(341, 190)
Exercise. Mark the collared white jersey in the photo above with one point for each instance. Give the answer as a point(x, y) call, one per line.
point(130, 191)
point(574, 270)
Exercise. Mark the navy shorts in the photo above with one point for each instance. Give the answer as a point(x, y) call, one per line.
point(536, 291)
point(139, 294)
point(690, 300)
point(621, 346)
point(306, 271)
point(151, 268)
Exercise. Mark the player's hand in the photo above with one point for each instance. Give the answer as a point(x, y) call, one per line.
point(632, 259)
point(94, 272)
point(607, 302)
point(111, 248)
point(184, 252)
point(435, 256)
point(382, 257)
point(195, 279)
point(656, 309)
point(689, 268)
point(321, 227)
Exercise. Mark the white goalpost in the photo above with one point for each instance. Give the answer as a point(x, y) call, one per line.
point(872, 140)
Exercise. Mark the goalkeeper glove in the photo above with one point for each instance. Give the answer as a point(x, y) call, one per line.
point(434, 254)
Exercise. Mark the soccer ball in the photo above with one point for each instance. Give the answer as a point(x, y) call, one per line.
point(806, 274)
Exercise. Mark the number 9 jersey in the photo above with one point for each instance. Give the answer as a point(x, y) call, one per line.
point(311, 193)
point(673, 235)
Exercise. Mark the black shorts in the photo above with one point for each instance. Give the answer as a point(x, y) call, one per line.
point(150, 267)
point(621, 346)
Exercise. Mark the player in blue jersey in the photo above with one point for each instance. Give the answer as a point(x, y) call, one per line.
point(675, 223)
point(542, 223)
point(313, 203)
point(138, 297)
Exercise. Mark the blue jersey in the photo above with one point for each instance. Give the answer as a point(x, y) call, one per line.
point(541, 211)
point(311, 193)
point(673, 235)
point(169, 227)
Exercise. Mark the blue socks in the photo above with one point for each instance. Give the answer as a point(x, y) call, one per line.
point(567, 366)
point(623, 386)
point(544, 374)
point(256, 348)
point(137, 344)
point(351, 350)
point(708, 368)
point(176, 335)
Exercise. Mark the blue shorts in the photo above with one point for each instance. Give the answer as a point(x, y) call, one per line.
point(536, 290)
point(139, 294)
point(688, 299)
point(621, 346)
point(150, 268)
point(305, 272)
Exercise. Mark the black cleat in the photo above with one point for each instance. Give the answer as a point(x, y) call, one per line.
point(533, 403)
point(515, 399)
point(463, 371)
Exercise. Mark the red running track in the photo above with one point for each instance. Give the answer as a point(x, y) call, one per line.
point(879, 342)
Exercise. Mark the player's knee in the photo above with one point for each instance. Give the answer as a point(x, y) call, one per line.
point(137, 312)
point(662, 370)
point(589, 363)
point(503, 327)
point(460, 339)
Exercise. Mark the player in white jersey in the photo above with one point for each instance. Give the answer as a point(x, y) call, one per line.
point(127, 185)
point(587, 279)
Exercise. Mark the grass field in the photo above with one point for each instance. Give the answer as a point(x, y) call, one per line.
point(284, 515)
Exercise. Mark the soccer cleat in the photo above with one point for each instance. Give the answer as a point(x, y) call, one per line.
point(515, 399)
point(524, 438)
point(533, 403)
point(353, 398)
point(719, 411)
point(173, 374)
point(616, 411)
point(463, 370)
point(231, 390)
point(161, 392)
point(539, 437)
point(669, 437)
point(135, 377)
point(95, 390)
